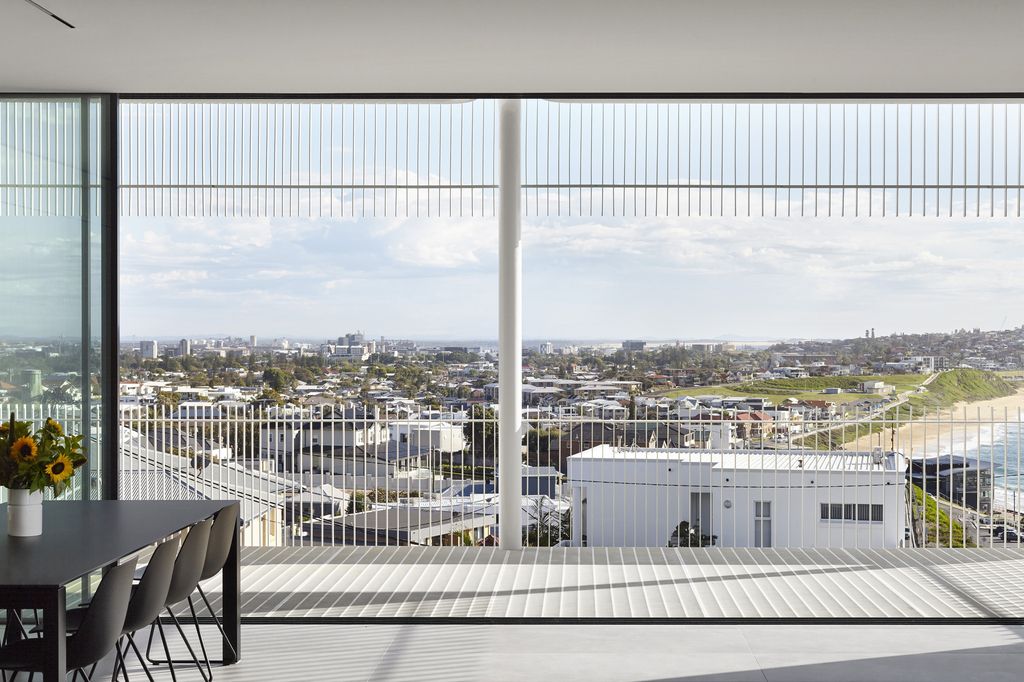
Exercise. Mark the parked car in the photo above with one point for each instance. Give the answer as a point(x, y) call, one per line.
point(1004, 533)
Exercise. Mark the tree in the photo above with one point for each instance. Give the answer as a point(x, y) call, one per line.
point(686, 535)
point(305, 375)
point(167, 401)
point(277, 379)
point(550, 529)
point(357, 503)
point(270, 395)
point(481, 429)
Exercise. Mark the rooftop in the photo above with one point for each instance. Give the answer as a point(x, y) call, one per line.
point(768, 460)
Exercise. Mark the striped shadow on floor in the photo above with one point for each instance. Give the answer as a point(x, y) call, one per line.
point(670, 584)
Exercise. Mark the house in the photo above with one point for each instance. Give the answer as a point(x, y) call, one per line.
point(334, 428)
point(428, 434)
point(637, 497)
point(175, 441)
point(147, 473)
point(754, 425)
point(962, 480)
point(388, 459)
point(874, 386)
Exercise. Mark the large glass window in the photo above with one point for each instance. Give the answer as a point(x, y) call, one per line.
point(50, 265)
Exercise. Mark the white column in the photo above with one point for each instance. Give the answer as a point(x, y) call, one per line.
point(510, 330)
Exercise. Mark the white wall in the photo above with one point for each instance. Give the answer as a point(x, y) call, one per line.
point(359, 435)
point(441, 436)
point(528, 46)
point(638, 503)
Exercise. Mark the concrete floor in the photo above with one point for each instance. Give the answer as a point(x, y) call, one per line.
point(483, 582)
point(653, 653)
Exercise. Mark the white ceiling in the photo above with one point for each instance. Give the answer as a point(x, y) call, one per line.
point(513, 46)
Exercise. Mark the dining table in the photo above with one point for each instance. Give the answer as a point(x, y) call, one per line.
point(82, 537)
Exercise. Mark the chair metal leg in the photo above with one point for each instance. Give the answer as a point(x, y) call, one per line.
point(202, 644)
point(149, 644)
point(135, 648)
point(119, 664)
point(188, 645)
point(167, 650)
point(199, 634)
point(22, 630)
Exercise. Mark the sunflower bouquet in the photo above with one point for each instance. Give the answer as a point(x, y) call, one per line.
point(40, 459)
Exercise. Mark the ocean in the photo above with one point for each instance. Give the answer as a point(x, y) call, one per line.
point(999, 448)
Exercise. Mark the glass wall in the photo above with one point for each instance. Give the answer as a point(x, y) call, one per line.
point(51, 237)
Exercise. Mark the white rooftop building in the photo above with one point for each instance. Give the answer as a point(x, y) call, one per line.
point(637, 497)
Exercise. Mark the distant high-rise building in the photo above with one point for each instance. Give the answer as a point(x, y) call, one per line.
point(149, 350)
point(872, 332)
point(252, 342)
point(356, 339)
point(184, 348)
point(632, 345)
point(547, 348)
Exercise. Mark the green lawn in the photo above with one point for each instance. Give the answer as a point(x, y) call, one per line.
point(804, 389)
point(957, 385)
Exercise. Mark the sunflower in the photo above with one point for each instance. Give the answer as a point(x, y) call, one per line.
point(24, 449)
point(60, 469)
point(54, 426)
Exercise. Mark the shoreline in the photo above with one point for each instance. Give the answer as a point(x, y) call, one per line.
point(950, 430)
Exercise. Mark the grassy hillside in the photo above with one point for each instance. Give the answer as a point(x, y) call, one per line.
point(786, 386)
point(940, 529)
point(805, 389)
point(962, 385)
point(949, 388)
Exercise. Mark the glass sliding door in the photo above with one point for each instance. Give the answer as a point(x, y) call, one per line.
point(51, 238)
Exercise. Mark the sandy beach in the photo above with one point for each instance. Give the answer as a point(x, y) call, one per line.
point(951, 430)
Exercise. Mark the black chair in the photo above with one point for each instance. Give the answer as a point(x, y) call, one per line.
point(222, 535)
point(188, 567)
point(97, 635)
point(149, 597)
point(225, 528)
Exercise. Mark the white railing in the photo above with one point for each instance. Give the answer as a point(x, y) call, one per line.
point(314, 477)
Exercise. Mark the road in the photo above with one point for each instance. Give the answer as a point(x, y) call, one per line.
point(900, 399)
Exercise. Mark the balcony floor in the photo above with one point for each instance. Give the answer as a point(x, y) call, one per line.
point(659, 583)
point(623, 653)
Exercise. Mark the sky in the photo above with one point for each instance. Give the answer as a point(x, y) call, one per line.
point(589, 278)
point(648, 276)
point(583, 278)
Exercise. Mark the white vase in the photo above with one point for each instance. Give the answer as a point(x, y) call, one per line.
point(24, 513)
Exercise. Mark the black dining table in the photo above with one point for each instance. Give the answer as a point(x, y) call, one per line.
point(80, 537)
